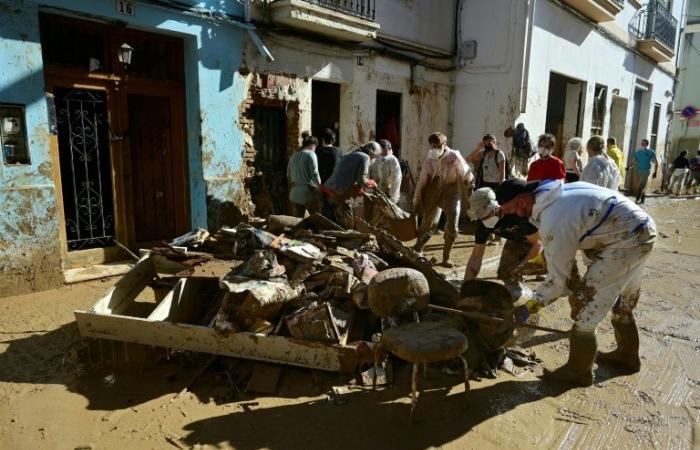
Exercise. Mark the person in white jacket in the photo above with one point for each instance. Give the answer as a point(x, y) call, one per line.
point(389, 172)
point(617, 237)
point(443, 176)
point(601, 170)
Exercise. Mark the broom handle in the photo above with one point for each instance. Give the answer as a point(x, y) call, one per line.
point(494, 320)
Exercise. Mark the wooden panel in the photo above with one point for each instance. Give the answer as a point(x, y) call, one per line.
point(152, 181)
point(195, 338)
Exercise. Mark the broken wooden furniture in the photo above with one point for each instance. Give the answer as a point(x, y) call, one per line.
point(179, 317)
point(406, 291)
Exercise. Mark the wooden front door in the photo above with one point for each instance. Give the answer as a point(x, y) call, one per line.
point(137, 193)
point(152, 176)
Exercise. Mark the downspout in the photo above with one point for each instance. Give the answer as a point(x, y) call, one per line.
point(457, 51)
point(525, 74)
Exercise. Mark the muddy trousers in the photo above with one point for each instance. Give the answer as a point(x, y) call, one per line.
point(677, 179)
point(613, 280)
point(450, 204)
point(312, 206)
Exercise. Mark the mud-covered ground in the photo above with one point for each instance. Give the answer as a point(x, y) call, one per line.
point(56, 392)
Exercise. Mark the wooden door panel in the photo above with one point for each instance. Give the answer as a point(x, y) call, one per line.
point(151, 155)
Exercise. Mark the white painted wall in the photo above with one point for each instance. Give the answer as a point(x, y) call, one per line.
point(427, 22)
point(487, 90)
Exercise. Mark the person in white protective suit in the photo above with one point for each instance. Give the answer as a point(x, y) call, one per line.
point(389, 172)
point(601, 170)
point(617, 237)
point(443, 176)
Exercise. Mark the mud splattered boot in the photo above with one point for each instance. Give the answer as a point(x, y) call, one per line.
point(420, 243)
point(579, 369)
point(626, 355)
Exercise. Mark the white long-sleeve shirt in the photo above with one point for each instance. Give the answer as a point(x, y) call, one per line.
point(450, 167)
point(602, 171)
point(390, 177)
point(577, 216)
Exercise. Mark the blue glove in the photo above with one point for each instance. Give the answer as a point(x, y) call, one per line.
point(521, 313)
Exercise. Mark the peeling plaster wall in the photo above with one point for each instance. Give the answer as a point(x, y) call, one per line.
point(423, 112)
point(29, 245)
point(29, 238)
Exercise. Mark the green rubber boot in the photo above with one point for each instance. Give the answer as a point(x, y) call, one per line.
point(626, 355)
point(579, 369)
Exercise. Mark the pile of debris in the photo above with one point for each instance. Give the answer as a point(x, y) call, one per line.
point(308, 280)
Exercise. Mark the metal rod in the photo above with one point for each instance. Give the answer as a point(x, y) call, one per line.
point(123, 247)
point(495, 320)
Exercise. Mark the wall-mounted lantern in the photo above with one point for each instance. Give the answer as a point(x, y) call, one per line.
point(124, 54)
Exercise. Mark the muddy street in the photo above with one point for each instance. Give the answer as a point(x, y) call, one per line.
point(59, 392)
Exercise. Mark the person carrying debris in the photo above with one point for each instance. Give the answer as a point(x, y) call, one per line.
point(303, 176)
point(522, 241)
point(389, 172)
point(444, 174)
point(616, 155)
point(548, 166)
point(616, 236)
point(328, 156)
point(350, 175)
point(375, 160)
point(601, 170)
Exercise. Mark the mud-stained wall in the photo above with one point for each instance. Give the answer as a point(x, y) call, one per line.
point(423, 110)
point(29, 244)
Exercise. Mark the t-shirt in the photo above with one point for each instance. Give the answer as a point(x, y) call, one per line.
point(510, 227)
point(328, 157)
point(351, 170)
point(302, 172)
point(681, 163)
point(644, 157)
point(551, 168)
point(489, 166)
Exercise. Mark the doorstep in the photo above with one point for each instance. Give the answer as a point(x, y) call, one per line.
point(96, 271)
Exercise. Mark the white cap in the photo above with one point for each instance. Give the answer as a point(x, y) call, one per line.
point(481, 203)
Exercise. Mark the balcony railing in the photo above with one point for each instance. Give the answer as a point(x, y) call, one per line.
point(620, 3)
point(656, 22)
point(363, 9)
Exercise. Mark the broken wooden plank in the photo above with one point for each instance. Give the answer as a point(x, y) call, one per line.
point(275, 349)
point(95, 272)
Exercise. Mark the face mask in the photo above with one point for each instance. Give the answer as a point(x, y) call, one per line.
point(490, 222)
point(544, 152)
point(434, 153)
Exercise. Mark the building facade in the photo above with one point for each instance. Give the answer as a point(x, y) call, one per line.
point(685, 131)
point(570, 68)
point(97, 150)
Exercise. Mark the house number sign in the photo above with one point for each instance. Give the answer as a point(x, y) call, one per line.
point(126, 7)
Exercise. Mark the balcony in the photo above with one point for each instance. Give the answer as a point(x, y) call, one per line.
point(347, 20)
point(655, 30)
point(598, 10)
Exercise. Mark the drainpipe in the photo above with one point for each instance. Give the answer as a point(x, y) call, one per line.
point(525, 74)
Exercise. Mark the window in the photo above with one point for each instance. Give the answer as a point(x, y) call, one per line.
point(655, 126)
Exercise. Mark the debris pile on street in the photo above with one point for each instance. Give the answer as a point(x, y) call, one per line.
point(312, 281)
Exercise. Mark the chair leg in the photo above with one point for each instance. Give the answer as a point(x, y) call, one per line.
point(466, 376)
point(414, 388)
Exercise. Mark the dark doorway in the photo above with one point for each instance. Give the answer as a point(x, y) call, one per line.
point(86, 171)
point(564, 108)
point(269, 188)
point(325, 108)
point(389, 119)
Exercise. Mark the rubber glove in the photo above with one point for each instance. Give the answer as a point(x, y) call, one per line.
point(522, 313)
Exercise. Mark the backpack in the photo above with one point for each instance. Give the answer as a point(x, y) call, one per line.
point(480, 172)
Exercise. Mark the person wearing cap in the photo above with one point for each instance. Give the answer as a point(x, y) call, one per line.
point(616, 236)
point(443, 176)
point(522, 240)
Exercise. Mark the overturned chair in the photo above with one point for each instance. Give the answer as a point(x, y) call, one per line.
point(403, 291)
